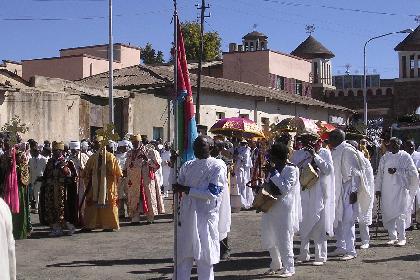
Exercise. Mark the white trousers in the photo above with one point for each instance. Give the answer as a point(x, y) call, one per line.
point(364, 233)
point(36, 188)
point(396, 228)
point(283, 255)
point(204, 270)
point(319, 236)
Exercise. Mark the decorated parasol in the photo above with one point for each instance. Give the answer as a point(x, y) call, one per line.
point(13, 128)
point(106, 134)
point(324, 129)
point(297, 124)
point(237, 127)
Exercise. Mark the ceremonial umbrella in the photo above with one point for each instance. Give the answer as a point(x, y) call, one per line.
point(297, 124)
point(237, 127)
point(324, 129)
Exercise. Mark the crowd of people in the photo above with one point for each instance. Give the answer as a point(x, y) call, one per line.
point(310, 188)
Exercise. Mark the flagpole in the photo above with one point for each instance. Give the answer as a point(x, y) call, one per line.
point(176, 132)
point(110, 61)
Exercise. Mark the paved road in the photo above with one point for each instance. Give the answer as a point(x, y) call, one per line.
point(145, 251)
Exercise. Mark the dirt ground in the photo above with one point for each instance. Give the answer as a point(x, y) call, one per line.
point(145, 252)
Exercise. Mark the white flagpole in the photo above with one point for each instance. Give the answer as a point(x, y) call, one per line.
point(176, 196)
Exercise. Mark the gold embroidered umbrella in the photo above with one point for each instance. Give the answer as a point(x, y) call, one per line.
point(13, 128)
point(237, 127)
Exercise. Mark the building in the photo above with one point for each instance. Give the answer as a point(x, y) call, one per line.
point(252, 62)
point(387, 99)
point(12, 66)
point(81, 62)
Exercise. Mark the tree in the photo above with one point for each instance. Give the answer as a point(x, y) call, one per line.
point(149, 56)
point(212, 42)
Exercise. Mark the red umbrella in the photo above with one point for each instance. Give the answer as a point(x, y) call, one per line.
point(324, 129)
point(238, 127)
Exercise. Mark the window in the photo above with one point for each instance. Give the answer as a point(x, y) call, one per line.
point(299, 87)
point(220, 115)
point(157, 132)
point(246, 46)
point(404, 66)
point(357, 81)
point(279, 82)
point(411, 66)
point(244, 116)
point(262, 45)
point(251, 46)
point(315, 72)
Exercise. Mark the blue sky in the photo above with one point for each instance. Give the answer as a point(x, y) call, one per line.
point(338, 26)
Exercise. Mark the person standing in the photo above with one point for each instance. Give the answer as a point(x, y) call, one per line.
point(166, 169)
point(7, 244)
point(317, 201)
point(37, 164)
point(141, 191)
point(101, 175)
point(242, 169)
point(121, 155)
point(281, 221)
point(364, 215)
point(347, 172)
point(201, 181)
point(58, 179)
point(397, 183)
point(410, 148)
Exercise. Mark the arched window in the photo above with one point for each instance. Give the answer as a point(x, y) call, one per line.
point(369, 92)
point(341, 93)
point(359, 93)
point(350, 93)
point(389, 91)
point(379, 91)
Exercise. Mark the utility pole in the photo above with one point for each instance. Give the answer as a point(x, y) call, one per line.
point(111, 72)
point(203, 8)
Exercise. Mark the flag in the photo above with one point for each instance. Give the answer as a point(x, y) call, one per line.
point(187, 128)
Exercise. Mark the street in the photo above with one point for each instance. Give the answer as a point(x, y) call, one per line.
point(145, 252)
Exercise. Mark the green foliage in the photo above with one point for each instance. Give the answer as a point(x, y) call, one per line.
point(149, 56)
point(212, 42)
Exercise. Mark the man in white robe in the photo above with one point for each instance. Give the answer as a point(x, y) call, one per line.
point(281, 221)
point(317, 201)
point(7, 244)
point(166, 169)
point(37, 165)
point(201, 181)
point(121, 155)
point(364, 216)
point(348, 186)
point(242, 169)
point(397, 182)
point(410, 148)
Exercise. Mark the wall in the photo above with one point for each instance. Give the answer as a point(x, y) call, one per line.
point(98, 66)
point(250, 67)
point(69, 68)
point(129, 56)
point(290, 67)
point(52, 116)
point(148, 110)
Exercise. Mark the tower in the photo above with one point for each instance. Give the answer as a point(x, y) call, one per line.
point(255, 41)
point(409, 56)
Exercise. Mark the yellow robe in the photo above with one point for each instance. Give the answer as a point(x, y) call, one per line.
point(99, 216)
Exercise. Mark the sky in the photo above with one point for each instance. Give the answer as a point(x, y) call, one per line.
point(40, 28)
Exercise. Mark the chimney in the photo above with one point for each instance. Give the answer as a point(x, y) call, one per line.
point(240, 48)
point(233, 47)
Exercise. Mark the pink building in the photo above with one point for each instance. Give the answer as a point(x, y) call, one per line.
point(81, 62)
point(252, 62)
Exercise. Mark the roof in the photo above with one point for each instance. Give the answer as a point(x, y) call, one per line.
point(10, 79)
point(69, 56)
point(102, 45)
point(254, 35)
point(411, 42)
point(141, 76)
point(311, 48)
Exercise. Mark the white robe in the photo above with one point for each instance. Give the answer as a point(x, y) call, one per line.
point(7, 244)
point(242, 168)
point(365, 213)
point(225, 214)
point(198, 232)
point(320, 196)
point(36, 169)
point(347, 170)
point(158, 172)
point(286, 213)
point(416, 158)
point(166, 170)
point(398, 189)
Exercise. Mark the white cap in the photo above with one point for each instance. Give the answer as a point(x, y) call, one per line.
point(124, 143)
point(84, 145)
point(74, 145)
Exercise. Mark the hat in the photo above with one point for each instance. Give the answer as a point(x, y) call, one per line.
point(84, 145)
point(136, 137)
point(124, 143)
point(58, 146)
point(74, 145)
